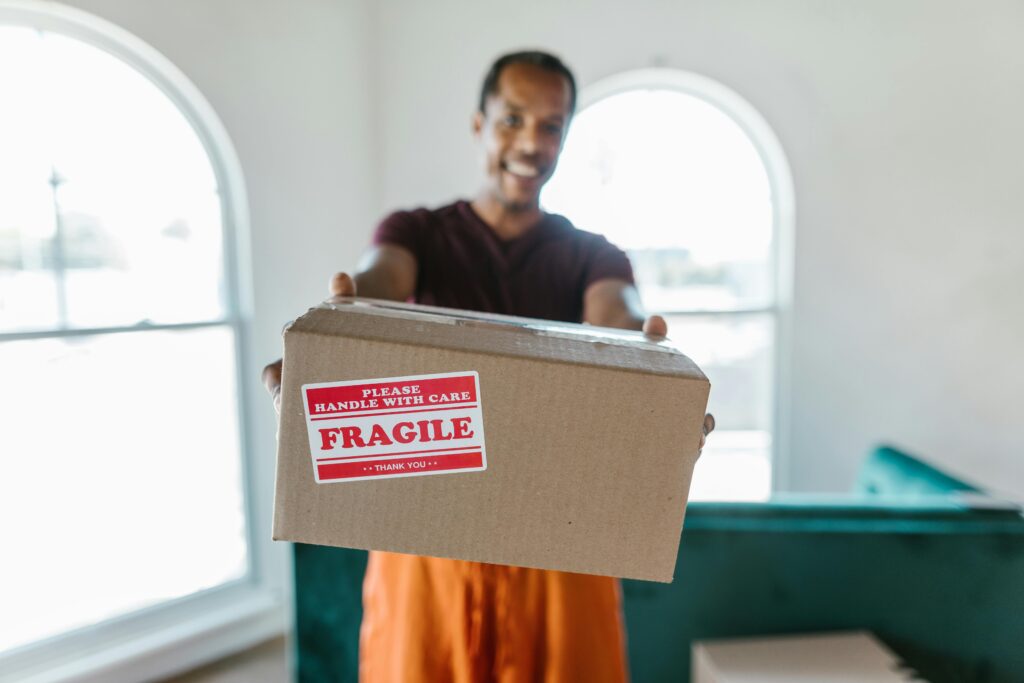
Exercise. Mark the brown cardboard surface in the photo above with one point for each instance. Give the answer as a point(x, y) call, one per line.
point(851, 657)
point(591, 438)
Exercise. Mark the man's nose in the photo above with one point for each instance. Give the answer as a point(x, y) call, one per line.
point(527, 139)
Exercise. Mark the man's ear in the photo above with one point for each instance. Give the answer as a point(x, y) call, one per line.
point(478, 124)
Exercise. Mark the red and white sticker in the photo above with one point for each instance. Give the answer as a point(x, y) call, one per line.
point(395, 427)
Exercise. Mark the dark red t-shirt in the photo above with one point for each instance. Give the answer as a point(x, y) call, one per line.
point(464, 264)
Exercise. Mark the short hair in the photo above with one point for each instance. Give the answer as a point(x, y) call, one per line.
point(544, 60)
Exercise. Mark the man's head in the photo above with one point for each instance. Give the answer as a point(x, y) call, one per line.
point(526, 102)
point(541, 60)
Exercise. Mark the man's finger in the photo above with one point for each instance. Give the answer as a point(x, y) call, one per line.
point(342, 284)
point(272, 378)
point(272, 381)
point(709, 424)
point(655, 326)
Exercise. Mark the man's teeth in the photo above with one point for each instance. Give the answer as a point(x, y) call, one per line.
point(524, 170)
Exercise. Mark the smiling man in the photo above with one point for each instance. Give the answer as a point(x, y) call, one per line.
point(525, 106)
point(432, 619)
point(500, 252)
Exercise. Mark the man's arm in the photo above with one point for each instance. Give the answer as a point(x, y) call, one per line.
point(616, 303)
point(385, 272)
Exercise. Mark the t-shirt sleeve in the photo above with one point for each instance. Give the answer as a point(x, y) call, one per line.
point(401, 229)
point(607, 262)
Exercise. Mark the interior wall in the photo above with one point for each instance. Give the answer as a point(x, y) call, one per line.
point(901, 124)
point(290, 82)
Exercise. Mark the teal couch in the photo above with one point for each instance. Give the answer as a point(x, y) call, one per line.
point(938, 575)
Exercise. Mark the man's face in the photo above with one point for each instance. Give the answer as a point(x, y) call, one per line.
point(521, 131)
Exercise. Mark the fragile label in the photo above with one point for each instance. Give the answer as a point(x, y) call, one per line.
point(395, 427)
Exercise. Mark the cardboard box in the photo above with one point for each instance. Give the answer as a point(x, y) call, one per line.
point(505, 440)
point(851, 657)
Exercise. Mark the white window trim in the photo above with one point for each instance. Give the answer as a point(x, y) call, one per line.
point(181, 634)
point(780, 180)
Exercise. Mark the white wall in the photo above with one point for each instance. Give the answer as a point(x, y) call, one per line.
point(900, 120)
point(902, 126)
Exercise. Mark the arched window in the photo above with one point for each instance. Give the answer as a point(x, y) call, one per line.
point(122, 482)
point(686, 176)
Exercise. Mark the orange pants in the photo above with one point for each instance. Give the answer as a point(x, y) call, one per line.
point(429, 619)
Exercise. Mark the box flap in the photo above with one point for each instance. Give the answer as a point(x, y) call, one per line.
point(446, 328)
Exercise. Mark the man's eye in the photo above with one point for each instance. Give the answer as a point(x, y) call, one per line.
point(512, 120)
point(553, 128)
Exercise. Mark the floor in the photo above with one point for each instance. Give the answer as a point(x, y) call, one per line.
point(266, 663)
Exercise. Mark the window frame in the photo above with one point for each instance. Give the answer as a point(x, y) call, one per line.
point(780, 180)
point(178, 634)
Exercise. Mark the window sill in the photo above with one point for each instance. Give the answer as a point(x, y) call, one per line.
point(161, 645)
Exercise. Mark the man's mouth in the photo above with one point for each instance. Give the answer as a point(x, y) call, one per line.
point(521, 169)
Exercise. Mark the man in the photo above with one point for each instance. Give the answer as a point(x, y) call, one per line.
point(431, 619)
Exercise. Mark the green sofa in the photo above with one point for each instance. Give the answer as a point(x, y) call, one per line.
point(921, 559)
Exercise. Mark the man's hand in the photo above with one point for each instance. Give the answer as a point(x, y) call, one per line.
point(655, 327)
point(341, 284)
point(272, 381)
point(709, 426)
